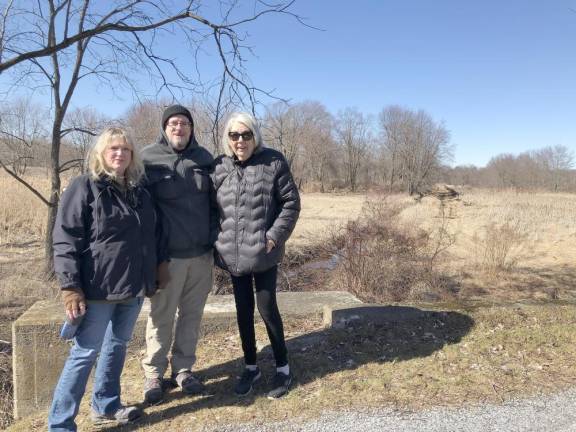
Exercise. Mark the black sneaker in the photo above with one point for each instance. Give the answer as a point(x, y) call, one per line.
point(280, 385)
point(248, 378)
point(188, 383)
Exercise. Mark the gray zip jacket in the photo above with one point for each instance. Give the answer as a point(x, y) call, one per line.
point(182, 189)
point(257, 200)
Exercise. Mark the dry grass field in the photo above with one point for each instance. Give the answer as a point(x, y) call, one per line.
point(504, 245)
point(510, 330)
point(508, 245)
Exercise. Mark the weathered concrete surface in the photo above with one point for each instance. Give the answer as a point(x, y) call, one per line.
point(39, 353)
point(339, 316)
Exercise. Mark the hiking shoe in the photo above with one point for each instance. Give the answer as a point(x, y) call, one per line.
point(122, 415)
point(247, 379)
point(153, 391)
point(188, 383)
point(280, 385)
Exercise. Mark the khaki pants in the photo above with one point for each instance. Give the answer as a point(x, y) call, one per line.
point(181, 302)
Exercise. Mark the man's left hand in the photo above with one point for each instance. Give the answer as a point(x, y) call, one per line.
point(162, 275)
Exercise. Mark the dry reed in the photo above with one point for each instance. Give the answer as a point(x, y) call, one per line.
point(22, 215)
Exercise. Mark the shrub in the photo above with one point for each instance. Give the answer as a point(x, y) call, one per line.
point(499, 247)
point(381, 260)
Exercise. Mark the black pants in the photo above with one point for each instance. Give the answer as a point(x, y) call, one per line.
point(266, 299)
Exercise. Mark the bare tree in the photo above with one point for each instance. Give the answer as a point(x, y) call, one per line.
point(353, 131)
point(555, 161)
point(79, 129)
point(415, 145)
point(394, 124)
point(209, 117)
point(282, 129)
point(426, 148)
point(57, 44)
point(143, 120)
point(23, 135)
point(319, 149)
point(547, 168)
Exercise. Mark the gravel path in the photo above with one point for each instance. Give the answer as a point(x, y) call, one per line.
point(553, 413)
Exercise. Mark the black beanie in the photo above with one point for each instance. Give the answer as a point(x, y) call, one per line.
point(173, 110)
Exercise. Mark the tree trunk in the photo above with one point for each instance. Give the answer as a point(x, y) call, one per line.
point(54, 192)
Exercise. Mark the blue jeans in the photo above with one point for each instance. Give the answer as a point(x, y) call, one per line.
point(106, 329)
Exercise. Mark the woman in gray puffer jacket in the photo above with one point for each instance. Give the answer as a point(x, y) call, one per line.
point(259, 205)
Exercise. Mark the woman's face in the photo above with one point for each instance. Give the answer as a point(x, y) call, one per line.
point(117, 156)
point(241, 141)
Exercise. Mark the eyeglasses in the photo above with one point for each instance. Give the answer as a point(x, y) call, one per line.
point(246, 136)
point(115, 149)
point(178, 123)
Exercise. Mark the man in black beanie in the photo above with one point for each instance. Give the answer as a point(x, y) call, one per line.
point(178, 176)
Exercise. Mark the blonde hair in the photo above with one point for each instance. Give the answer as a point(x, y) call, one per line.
point(246, 119)
point(95, 158)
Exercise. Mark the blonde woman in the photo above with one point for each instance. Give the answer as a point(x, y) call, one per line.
point(105, 258)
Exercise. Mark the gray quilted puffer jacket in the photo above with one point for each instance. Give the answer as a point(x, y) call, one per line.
point(257, 200)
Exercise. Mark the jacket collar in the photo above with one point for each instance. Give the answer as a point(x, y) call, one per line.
point(255, 155)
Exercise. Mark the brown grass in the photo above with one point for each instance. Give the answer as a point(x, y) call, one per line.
point(537, 229)
point(22, 215)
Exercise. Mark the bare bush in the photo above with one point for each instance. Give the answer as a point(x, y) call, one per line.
point(381, 260)
point(499, 247)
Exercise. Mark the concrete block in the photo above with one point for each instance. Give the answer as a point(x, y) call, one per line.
point(343, 316)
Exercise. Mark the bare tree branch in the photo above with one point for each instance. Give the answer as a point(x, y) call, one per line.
point(25, 183)
point(104, 28)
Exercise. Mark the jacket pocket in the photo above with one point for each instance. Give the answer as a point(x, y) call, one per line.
point(161, 182)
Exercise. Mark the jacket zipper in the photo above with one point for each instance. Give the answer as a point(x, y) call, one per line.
point(236, 220)
point(139, 222)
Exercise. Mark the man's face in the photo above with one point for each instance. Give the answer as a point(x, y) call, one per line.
point(178, 130)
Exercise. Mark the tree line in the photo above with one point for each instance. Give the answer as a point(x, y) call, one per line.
point(400, 151)
point(550, 168)
point(325, 151)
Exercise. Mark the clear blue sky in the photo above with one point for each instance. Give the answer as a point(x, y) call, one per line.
point(501, 74)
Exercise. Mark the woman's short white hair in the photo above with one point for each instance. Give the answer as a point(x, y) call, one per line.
point(246, 119)
point(95, 157)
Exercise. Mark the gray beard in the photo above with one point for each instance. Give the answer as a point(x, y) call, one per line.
point(171, 143)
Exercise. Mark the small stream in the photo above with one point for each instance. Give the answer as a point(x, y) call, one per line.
point(327, 264)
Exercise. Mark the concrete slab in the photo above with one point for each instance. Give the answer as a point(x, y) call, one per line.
point(39, 354)
point(337, 316)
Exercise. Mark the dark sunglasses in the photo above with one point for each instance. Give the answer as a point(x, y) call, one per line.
point(246, 136)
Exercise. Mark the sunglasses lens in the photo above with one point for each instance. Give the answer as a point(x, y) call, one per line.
point(235, 136)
